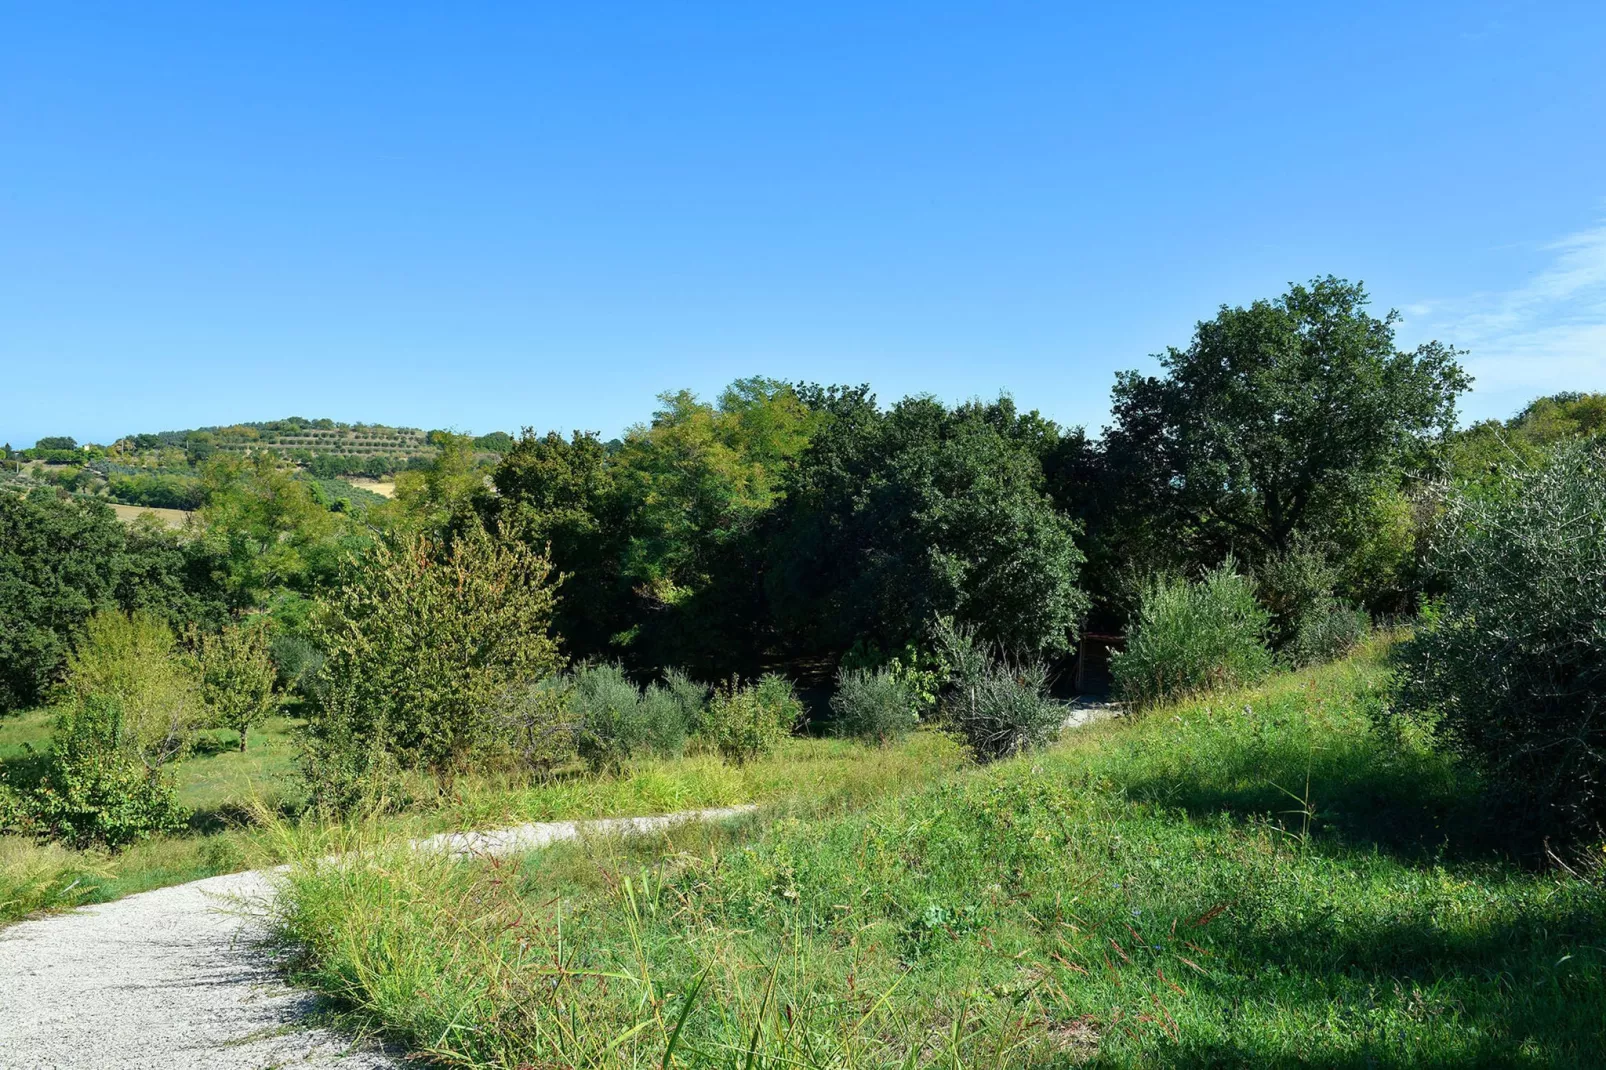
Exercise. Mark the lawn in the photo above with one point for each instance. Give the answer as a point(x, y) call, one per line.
point(1260, 879)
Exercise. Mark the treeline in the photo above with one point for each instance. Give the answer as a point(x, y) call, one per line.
point(1286, 477)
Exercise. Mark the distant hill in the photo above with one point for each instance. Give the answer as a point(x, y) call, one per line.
point(160, 469)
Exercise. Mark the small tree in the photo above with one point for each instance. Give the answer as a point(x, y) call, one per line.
point(238, 677)
point(134, 660)
point(425, 642)
point(95, 788)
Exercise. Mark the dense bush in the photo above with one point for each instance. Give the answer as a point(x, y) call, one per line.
point(424, 643)
point(156, 491)
point(1512, 666)
point(746, 721)
point(1326, 631)
point(296, 665)
point(615, 722)
point(999, 706)
point(1190, 637)
point(893, 517)
point(690, 696)
point(134, 660)
point(873, 704)
point(96, 788)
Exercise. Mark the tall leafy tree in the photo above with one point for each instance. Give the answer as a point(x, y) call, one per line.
point(64, 559)
point(266, 525)
point(1280, 417)
point(894, 518)
point(558, 495)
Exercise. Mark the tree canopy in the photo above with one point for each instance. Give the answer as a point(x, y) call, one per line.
point(1281, 413)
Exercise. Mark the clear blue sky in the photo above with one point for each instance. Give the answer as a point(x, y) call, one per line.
point(484, 216)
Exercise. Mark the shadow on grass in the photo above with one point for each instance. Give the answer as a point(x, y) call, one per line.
point(1361, 791)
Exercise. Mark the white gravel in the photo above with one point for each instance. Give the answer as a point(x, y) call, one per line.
point(177, 978)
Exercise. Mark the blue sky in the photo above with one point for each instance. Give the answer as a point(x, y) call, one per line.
point(486, 216)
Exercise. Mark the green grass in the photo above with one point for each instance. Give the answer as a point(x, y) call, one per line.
point(226, 790)
point(219, 784)
point(1253, 879)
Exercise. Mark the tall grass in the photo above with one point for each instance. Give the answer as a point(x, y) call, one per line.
point(1254, 879)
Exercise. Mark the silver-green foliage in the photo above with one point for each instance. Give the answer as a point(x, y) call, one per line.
point(1192, 636)
point(1512, 665)
point(999, 706)
point(1326, 631)
point(875, 705)
point(614, 721)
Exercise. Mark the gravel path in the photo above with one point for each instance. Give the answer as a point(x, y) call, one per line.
point(176, 979)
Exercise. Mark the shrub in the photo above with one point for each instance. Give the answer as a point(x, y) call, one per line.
point(134, 660)
point(95, 788)
point(238, 677)
point(666, 719)
point(296, 663)
point(873, 705)
point(1326, 631)
point(423, 644)
point(1000, 707)
point(690, 696)
point(540, 726)
point(1191, 637)
point(606, 710)
point(1512, 666)
point(1293, 585)
point(614, 722)
point(744, 722)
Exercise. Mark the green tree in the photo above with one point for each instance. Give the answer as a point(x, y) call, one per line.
point(443, 496)
point(265, 524)
point(134, 659)
point(238, 676)
point(658, 536)
point(63, 559)
point(426, 642)
point(1281, 417)
point(559, 495)
point(894, 518)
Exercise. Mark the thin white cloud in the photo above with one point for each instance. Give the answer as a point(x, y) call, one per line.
point(1545, 335)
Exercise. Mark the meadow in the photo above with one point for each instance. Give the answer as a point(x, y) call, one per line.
point(1261, 877)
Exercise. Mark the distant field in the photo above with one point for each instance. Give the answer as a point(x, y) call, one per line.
point(385, 488)
point(173, 518)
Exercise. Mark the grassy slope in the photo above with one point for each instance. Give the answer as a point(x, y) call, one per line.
point(1253, 879)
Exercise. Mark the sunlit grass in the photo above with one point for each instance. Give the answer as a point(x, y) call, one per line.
point(1257, 878)
point(227, 790)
